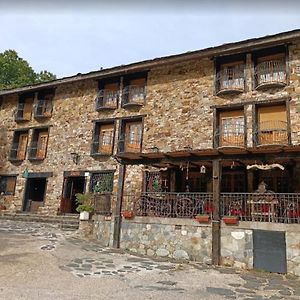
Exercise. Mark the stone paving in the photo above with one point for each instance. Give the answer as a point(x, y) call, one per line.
point(64, 255)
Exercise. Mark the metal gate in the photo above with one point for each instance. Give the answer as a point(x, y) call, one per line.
point(269, 251)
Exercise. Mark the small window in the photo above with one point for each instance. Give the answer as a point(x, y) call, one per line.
point(103, 140)
point(39, 143)
point(24, 108)
point(133, 136)
point(7, 185)
point(43, 107)
point(108, 96)
point(134, 92)
point(19, 146)
point(102, 182)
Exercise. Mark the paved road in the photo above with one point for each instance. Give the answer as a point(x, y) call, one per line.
point(39, 261)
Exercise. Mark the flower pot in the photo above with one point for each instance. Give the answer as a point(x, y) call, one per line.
point(127, 214)
point(84, 216)
point(202, 218)
point(230, 220)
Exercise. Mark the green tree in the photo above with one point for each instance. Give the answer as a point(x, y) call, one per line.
point(16, 72)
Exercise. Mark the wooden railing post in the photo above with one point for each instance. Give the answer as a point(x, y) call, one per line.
point(117, 215)
point(216, 230)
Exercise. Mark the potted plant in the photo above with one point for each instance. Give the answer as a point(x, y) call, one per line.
point(230, 220)
point(127, 214)
point(202, 218)
point(128, 210)
point(84, 205)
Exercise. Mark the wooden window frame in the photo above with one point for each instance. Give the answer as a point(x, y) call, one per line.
point(9, 177)
point(44, 97)
point(16, 145)
point(113, 85)
point(37, 135)
point(27, 100)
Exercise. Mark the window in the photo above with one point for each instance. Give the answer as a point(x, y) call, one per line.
point(102, 182)
point(133, 136)
point(43, 107)
point(108, 96)
point(24, 108)
point(134, 92)
point(103, 140)
point(272, 125)
point(19, 146)
point(270, 68)
point(39, 143)
point(230, 77)
point(231, 131)
point(7, 184)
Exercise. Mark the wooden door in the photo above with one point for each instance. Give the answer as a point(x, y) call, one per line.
point(42, 145)
point(133, 137)
point(21, 153)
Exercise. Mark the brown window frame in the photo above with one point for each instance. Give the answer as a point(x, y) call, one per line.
point(13, 179)
point(36, 152)
point(18, 150)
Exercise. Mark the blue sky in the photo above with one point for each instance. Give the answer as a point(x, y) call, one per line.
point(70, 37)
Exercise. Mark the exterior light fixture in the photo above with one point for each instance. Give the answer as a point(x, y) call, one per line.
point(25, 173)
point(75, 157)
point(203, 169)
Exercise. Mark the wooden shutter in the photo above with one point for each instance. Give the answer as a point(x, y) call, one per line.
point(133, 136)
point(272, 122)
point(21, 153)
point(42, 145)
point(10, 185)
point(27, 109)
point(232, 128)
point(106, 138)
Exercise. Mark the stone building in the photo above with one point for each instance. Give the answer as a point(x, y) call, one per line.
point(214, 132)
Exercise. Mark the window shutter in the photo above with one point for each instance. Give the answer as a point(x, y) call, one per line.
point(23, 139)
point(27, 109)
point(42, 145)
point(10, 185)
point(106, 138)
point(133, 137)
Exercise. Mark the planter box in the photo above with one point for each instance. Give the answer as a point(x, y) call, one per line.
point(127, 214)
point(231, 220)
point(84, 216)
point(202, 218)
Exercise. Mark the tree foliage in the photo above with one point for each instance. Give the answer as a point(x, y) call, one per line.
point(16, 72)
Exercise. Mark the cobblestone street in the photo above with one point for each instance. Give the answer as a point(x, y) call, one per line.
point(39, 261)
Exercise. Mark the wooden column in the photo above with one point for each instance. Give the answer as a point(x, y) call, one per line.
point(216, 230)
point(117, 214)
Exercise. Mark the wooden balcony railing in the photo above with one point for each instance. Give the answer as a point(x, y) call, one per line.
point(230, 138)
point(258, 207)
point(271, 133)
point(230, 80)
point(107, 99)
point(270, 73)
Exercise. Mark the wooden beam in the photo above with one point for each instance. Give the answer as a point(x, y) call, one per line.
point(216, 230)
point(117, 214)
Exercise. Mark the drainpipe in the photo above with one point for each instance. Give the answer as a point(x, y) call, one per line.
point(117, 215)
point(216, 229)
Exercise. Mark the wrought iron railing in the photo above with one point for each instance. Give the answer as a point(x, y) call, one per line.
point(134, 95)
point(230, 80)
point(271, 133)
point(102, 146)
point(16, 153)
point(20, 114)
point(230, 138)
point(258, 207)
point(36, 151)
point(130, 145)
point(107, 99)
point(271, 72)
point(43, 109)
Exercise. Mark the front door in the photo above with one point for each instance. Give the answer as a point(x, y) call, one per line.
point(72, 186)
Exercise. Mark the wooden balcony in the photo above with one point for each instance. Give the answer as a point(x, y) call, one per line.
point(230, 81)
point(271, 73)
point(234, 138)
point(271, 133)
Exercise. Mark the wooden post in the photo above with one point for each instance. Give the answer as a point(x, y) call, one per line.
point(117, 215)
point(216, 230)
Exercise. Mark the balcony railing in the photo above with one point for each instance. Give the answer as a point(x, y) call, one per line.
point(270, 73)
point(107, 99)
point(43, 109)
point(258, 207)
point(21, 114)
point(230, 138)
point(101, 147)
point(130, 145)
point(230, 80)
point(272, 133)
point(134, 95)
point(36, 152)
point(16, 154)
